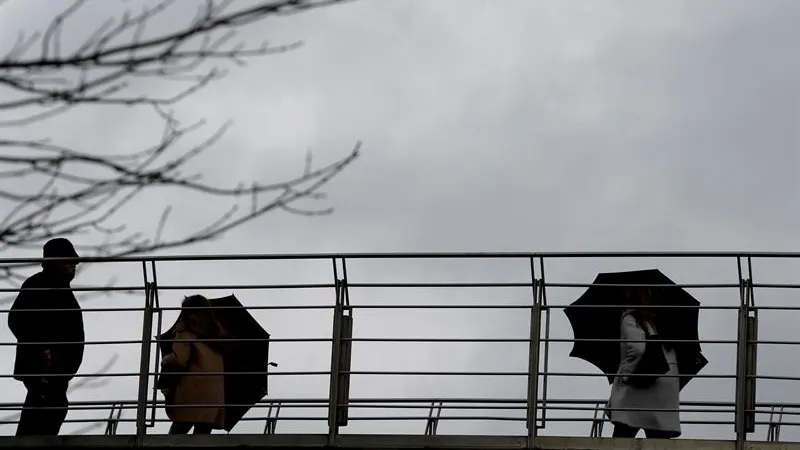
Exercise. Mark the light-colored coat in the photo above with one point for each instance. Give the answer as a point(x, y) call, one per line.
point(664, 394)
point(197, 357)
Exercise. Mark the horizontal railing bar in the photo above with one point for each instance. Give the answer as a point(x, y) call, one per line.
point(406, 306)
point(526, 307)
point(176, 308)
point(597, 375)
point(434, 373)
point(676, 285)
point(448, 403)
point(776, 285)
point(127, 289)
point(157, 341)
point(655, 307)
point(672, 341)
point(439, 306)
point(773, 377)
point(162, 420)
point(683, 422)
point(775, 308)
point(389, 340)
point(189, 374)
point(524, 284)
point(443, 284)
point(442, 418)
point(212, 287)
point(435, 340)
point(388, 372)
point(251, 308)
point(448, 408)
point(423, 403)
point(765, 342)
point(409, 284)
point(412, 255)
point(554, 340)
point(405, 418)
point(515, 374)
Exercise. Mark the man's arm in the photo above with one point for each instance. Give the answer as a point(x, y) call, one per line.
point(22, 323)
point(633, 345)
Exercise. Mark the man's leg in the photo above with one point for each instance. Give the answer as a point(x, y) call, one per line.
point(30, 417)
point(57, 405)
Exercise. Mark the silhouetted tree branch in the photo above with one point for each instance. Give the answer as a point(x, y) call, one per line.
point(82, 191)
point(69, 191)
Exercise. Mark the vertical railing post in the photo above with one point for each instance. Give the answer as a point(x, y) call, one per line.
point(542, 294)
point(144, 364)
point(745, 357)
point(533, 358)
point(156, 310)
point(336, 345)
point(740, 362)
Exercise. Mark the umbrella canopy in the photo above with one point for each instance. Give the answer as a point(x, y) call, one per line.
point(241, 389)
point(597, 314)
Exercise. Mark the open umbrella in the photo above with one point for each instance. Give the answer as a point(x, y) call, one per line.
point(242, 389)
point(597, 314)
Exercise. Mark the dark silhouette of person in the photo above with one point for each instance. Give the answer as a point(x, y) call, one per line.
point(47, 321)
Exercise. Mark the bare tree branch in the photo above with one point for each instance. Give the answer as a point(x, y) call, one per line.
point(100, 70)
point(83, 191)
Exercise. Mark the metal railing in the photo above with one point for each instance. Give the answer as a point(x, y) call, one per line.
point(544, 402)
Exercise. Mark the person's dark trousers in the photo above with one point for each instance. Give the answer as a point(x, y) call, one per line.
point(45, 408)
point(183, 428)
point(624, 431)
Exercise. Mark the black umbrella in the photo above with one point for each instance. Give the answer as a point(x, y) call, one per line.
point(592, 316)
point(241, 389)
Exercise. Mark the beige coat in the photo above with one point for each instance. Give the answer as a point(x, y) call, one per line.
point(197, 390)
point(663, 396)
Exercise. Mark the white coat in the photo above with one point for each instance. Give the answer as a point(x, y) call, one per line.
point(664, 394)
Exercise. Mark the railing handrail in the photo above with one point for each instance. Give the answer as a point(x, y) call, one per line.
point(412, 255)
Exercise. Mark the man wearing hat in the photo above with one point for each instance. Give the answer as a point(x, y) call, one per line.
point(47, 321)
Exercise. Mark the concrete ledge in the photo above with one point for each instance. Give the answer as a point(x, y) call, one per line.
point(382, 442)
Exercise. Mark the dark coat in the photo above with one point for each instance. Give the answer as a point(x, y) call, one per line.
point(63, 329)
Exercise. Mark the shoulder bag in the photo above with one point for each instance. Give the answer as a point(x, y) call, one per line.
point(652, 363)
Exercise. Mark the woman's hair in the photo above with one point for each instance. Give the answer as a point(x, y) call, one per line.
point(634, 295)
point(197, 316)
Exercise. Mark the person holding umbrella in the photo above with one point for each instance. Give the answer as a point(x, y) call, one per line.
point(243, 346)
point(641, 402)
point(641, 330)
point(192, 371)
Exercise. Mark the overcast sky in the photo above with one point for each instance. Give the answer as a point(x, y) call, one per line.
point(487, 126)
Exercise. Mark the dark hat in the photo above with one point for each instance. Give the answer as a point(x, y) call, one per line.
point(59, 248)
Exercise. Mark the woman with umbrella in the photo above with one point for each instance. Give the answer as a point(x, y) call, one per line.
point(659, 352)
point(196, 368)
point(640, 402)
point(234, 340)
